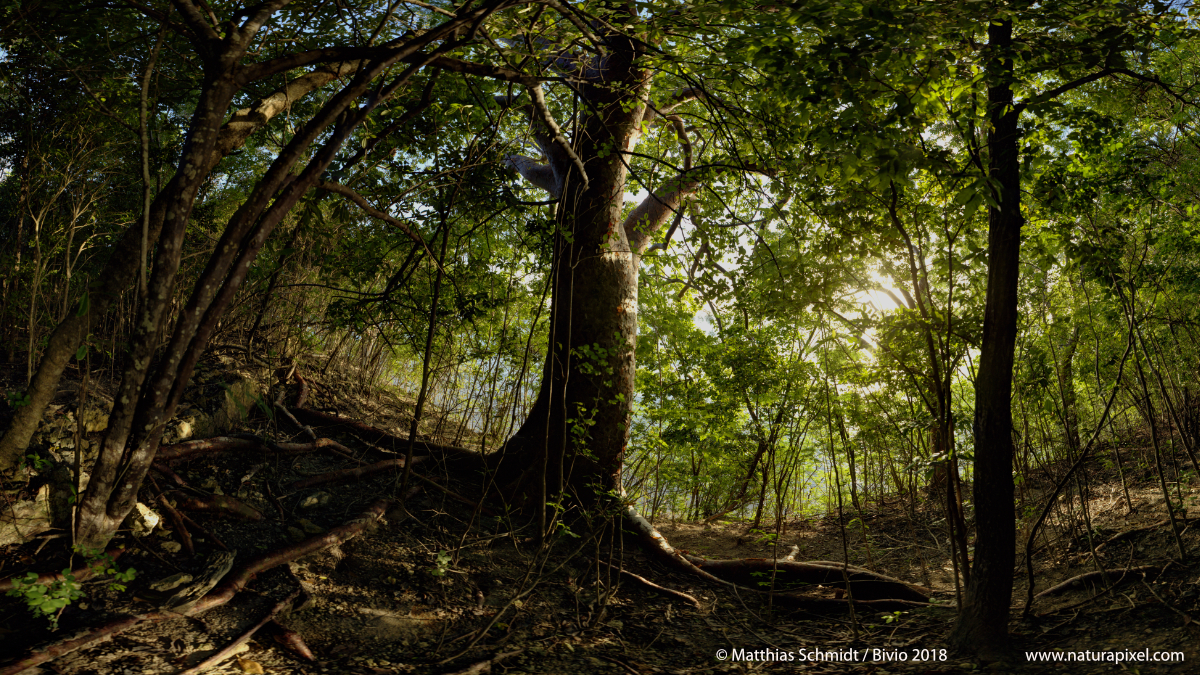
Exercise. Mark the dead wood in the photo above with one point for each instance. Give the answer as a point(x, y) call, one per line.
point(1129, 533)
point(282, 607)
point(347, 475)
point(1095, 577)
point(230, 586)
point(291, 641)
point(185, 537)
point(661, 589)
point(221, 505)
point(657, 544)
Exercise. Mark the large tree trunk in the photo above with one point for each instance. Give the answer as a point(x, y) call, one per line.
point(575, 435)
point(573, 441)
point(982, 626)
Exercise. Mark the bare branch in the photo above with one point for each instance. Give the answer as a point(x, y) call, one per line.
point(1064, 88)
point(370, 210)
point(539, 105)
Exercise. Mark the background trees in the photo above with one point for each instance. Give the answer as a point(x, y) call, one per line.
point(488, 203)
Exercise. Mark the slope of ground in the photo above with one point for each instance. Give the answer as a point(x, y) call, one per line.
point(440, 586)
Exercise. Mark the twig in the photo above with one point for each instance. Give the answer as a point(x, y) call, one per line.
point(651, 584)
point(1187, 619)
point(282, 607)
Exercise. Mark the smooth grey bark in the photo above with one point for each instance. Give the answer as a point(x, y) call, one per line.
point(574, 439)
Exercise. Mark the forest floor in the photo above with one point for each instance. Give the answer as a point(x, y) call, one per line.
point(436, 588)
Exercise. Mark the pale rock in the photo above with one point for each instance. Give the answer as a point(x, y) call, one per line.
point(314, 500)
point(143, 519)
point(22, 520)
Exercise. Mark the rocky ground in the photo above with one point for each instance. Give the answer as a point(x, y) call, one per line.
point(437, 586)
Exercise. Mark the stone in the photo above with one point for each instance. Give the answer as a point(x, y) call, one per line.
point(310, 527)
point(314, 500)
point(142, 520)
point(172, 546)
point(24, 519)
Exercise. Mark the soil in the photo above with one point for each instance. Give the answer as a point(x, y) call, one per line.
point(437, 587)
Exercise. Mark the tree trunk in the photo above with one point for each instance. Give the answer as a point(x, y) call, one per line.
point(982, 626)
point(573, 441)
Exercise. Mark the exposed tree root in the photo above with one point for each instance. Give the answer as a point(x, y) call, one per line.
point(483, 667)
point(291, 641)
point(68, 645)
point(282, 607)
point(221, 505)
point(178, 451)
point(1116, 576)
point(788, 574)
point(230, 586)
point(1129, 533)
point(346, 475)
point(658, 545)
point(375, 435)
point(176, 517)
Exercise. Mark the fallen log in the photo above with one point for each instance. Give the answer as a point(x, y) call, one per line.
point(657, 544)
point(231, 584)
point(221, 505)
point(1116, 576)
point(346, 475)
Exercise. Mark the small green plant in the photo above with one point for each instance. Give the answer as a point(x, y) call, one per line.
point(18, 399)
point(440, 565)
point(46, 600)
point(38, 462)
point(891, 618)
point(50, 599)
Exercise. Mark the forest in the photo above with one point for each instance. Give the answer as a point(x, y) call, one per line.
point(544, 336)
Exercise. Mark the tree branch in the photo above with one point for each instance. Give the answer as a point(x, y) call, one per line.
point(1064, 88)
point(539, 105)
point(370, 210)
